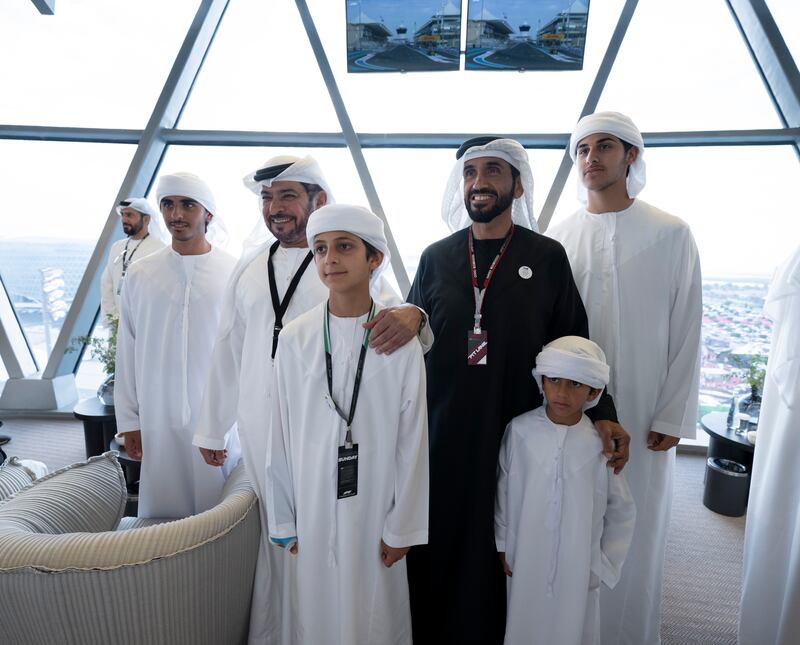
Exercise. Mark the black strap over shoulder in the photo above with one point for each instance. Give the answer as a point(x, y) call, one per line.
point(277, 306)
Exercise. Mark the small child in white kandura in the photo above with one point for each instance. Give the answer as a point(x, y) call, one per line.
point(563, 519)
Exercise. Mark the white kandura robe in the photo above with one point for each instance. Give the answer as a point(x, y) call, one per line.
point(638, 273)
point(565, 522)
point(339, 591)
point(169, 312)
point(770, 611)
point(112, 275)
point(239, 389)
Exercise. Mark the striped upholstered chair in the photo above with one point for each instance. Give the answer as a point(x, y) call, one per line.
point(70, 572)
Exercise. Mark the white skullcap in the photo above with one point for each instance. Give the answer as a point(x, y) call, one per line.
point(623, 128)
point(351, 219)
point(574, 358)
point(454, 212)
point(139, 204)
point(185, 184)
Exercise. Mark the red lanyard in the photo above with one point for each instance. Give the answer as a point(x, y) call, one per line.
point(480, 293)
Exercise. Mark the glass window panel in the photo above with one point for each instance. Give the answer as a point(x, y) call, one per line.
point(787, 16)
point(743, 232)
point(568, 202)
point(545, 166)
point(261, 74)
point(464, 101)
point(92, 64)
point(410, 185)
point(51, 224)
point(90, 373)
point(224, 167)
point(684, 66)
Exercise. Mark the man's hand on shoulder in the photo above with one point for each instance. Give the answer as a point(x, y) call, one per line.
point(393, 327)
point(616, 443)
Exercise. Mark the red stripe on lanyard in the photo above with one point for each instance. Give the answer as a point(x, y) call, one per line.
point(480, 293)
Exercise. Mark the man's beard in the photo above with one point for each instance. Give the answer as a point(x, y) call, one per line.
point(298, 233)
point(292, 237)
point(484, 216)
point(131, 229)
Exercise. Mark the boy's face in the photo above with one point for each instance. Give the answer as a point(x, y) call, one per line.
point(565, 399)
point(342, 263)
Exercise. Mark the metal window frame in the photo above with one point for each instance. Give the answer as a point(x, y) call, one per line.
point(378, 140)
point(772, 58)
point(15, 350)
point(756, 25)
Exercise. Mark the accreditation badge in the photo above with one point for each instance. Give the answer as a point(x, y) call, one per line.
point(347, 472)
point(477, 346)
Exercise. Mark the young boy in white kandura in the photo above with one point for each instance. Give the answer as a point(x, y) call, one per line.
point(563, 519)
point(347, 463)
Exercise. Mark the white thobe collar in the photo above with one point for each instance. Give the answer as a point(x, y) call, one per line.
point(622, 213)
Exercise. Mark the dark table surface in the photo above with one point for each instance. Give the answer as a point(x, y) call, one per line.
point(99, 424)
point(716, 425)
point(93, 410)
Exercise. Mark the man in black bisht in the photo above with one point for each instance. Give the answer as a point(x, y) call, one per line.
point(496, 292)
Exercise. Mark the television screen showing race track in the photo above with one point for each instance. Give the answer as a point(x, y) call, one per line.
point(524, 35)
point(403, 35)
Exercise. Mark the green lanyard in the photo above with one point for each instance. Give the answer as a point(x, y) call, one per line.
point(359, 370)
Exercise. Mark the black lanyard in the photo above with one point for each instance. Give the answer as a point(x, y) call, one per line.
point(326, 338)
point(277, 306)
point(480, 293)
point(125, 260)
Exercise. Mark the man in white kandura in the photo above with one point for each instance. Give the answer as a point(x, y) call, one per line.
point(347, 465)
point(770, 611)
point(638, 272)
point(169, 313)
point(140, 224)
point(274, 276)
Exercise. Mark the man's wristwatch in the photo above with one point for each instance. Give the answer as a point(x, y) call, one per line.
point(423, 321)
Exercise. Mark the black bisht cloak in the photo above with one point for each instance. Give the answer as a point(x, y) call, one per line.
point(456, 582)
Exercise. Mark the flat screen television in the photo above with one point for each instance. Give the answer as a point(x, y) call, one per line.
point(403, 35)
point(521, 35)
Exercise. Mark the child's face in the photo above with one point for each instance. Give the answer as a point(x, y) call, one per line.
point(565, 399)
point(341, 260)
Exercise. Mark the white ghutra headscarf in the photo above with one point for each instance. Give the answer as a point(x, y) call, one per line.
point(141, 205)
point(454, 212)
point(186, 184)
point(623, 128)
point(281, 168)
point(574, 358)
